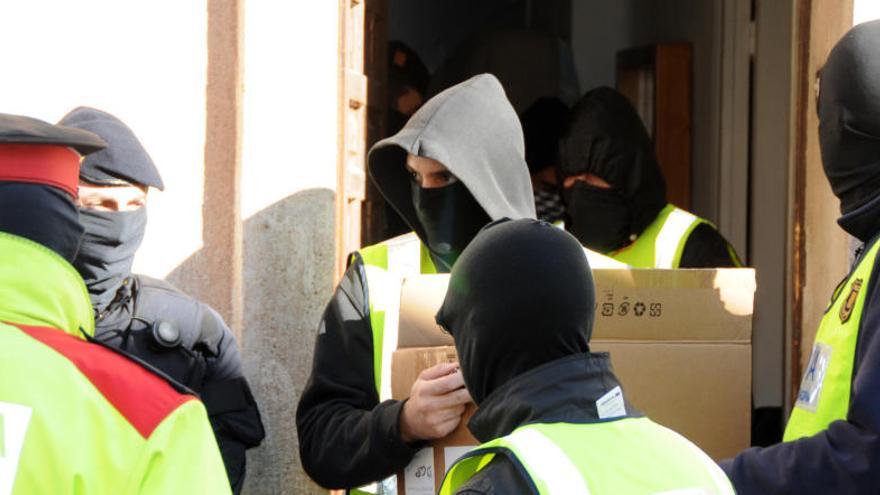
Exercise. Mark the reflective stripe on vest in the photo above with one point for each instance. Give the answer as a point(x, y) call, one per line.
point(386, 265)
point(632, 455)
point(824, 394)
point(661, 244)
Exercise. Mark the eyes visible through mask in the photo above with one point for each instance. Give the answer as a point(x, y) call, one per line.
point(111, 198)
point(431, 179)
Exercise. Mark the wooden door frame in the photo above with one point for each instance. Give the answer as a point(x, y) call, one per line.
point(820, 259)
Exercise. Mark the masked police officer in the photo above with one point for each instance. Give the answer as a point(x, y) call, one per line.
point(607, 165)
point(832, 441)
point(149, 318)
point(76, 416)
point(554, 418)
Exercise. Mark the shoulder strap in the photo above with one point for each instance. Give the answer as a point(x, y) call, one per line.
point(670, 241)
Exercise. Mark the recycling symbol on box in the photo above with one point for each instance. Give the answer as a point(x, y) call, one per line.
point(639, 309)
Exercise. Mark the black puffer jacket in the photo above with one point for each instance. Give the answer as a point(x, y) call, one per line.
point(207, 360)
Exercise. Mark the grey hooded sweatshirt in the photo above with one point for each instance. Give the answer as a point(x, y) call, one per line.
point(347, 438)
point(472, 129)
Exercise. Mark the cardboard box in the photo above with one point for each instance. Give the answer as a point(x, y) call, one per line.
point(425, 473)
point(680, 342)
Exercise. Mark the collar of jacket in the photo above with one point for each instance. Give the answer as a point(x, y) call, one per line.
point(561, 391)
point(40, 288)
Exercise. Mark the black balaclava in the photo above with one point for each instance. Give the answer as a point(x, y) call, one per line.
point(542, 124)
point(111, 238)
point(109, 244)
point(451, 217)
point(606, 137)
point(849, 128)
point(521, 295)
point(42, 214)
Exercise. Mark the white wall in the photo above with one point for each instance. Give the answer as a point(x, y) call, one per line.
point(290, 93)
point(288, 184)
point(144, 62)
point(865, 10)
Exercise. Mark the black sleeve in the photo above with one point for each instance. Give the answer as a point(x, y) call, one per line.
point(346, 437)
point(232, 410)
point(500, 476)
point(845, 458)
point(707, 248)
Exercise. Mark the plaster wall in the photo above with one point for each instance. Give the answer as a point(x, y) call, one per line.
point(255, 98)
point(288, 183)
point(137, 62)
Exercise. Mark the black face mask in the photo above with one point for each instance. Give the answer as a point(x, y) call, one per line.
point(107, 251)
point(42, 214)
point(450, 217)
point(599, 218)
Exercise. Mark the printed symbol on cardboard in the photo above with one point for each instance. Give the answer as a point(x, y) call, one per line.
point(424, 472)
point(656, 310)
point(850, 303)
point(623, 309)
point(608, 309)
point(639, 308)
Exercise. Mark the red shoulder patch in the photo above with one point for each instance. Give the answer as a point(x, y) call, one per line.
point(143, 398)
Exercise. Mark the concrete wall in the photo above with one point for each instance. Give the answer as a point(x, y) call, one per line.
point(237, 103)
point(288, 194)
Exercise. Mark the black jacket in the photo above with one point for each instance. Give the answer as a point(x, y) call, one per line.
point(346, 437)
point(207, 360)
point(845, 458)
point(577, 382)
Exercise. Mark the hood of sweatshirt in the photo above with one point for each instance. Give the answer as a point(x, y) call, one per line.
point(472, 129)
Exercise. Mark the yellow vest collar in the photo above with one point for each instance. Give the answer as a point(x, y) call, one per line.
point(40, 288)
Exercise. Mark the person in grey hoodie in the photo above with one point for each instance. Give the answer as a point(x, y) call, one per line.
point(457, 165)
